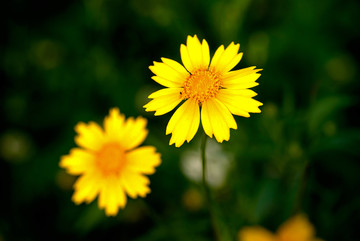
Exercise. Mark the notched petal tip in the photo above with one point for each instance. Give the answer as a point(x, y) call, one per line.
point(152, 66)
point(190, 38)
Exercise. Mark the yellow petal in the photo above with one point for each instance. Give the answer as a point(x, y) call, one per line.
point(135, 132)
point(238, 104)
point(229, 66)
point(114, 125)
point(184, 123)
point(255, 234)
point(217, 120)
point(297, 228)
point(107, 198)
point(240, 79)
point(165, 100)
point(195, 52)
point(185, 57)
point(90, 136)
point(167, 75)
point(176, 67)
point(195, 55)
point(218, 53)
point(112, 196)
point(225, 60)
point(86, 188)
point(199, 53)
point(205, 53)
point(135, 184)
point(205, 120)
point(78, 161)
point(143, 160)
point(128, 133)
point(242, 92)
point(121, 196)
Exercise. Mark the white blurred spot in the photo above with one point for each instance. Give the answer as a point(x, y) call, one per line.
point(217, 166)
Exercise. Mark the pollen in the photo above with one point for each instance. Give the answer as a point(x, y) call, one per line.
point(201, 85)
point(111, 159)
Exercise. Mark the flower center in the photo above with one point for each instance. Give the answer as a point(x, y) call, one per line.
point(201, 85)
point(111, 159)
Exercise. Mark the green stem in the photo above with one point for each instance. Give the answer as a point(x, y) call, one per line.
point(302, 188)
point(207, 190)
point(203, 159)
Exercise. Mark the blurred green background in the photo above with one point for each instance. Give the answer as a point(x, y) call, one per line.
point(68, 61)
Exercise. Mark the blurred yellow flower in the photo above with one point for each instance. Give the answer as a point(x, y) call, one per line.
point(297, 228)
point(108, 162)
point(201, 83)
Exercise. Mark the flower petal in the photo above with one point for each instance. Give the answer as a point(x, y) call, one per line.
point(185, 57)
point(128, 133)
point(78, 161)
point(229, 66)
point(184, 123)
point(205, 121)
point(114, 125)
point(90, 136)
point(112, 196)
point(205, 53)
point(143, 160)
point(135, 184)
point(176, 66)
point(216, 119)
point(168, 74)
point(255, 234)
point(134, 132)
point(240, 79)
point(164, 100)
point(195, 55)
point(87, 188)
point(218, 53)
point(225, 60)
point(297, 226)
point(238, 104)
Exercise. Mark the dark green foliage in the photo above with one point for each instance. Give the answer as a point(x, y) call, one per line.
point(62, 62)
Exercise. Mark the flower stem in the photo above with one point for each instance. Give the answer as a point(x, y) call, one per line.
point(208, 199)
point(204, 182)
point(302, 188)
point(221, 230)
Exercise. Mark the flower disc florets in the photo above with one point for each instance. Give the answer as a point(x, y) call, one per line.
point(201, 85)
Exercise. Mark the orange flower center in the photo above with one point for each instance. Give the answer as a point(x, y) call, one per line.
point(201, 85)
point(111, 159)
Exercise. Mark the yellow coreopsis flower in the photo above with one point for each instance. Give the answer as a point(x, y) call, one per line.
point(201, 83)
point(297, 228)
point(109, 162)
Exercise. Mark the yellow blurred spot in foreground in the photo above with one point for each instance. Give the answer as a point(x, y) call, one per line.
point(297, 228)
point(192, 199)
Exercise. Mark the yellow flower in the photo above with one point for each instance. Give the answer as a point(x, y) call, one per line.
point(108, 162)
point(201, 83)
point(297, 228)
